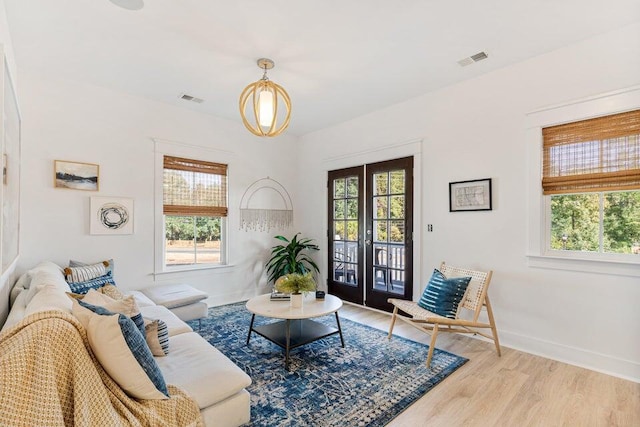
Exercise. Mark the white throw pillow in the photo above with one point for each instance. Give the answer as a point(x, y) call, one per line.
point(116, 357)
point(126, 306)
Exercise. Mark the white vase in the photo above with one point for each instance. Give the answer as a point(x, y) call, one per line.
point(296, 300)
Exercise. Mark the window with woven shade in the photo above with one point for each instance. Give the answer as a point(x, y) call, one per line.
point(591, 175)
point(601, 154)
point(194, 195)
point(194, 187)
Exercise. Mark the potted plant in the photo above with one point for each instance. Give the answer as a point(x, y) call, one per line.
point(295, 284)
point(291, 257)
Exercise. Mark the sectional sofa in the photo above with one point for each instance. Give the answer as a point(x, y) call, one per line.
point(203, 373)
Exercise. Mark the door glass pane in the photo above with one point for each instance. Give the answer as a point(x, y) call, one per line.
point(338, 209)
point(397, 206)
point(395, 257)
point(396, 281)
point(380, 183)
point(352, 208)
point(379, 254)
point(379, 231)
point(339, 230)
point(352, 186)
point(380, 211)
point(397, 182)
point(352, 230)
point(338, 271)
point(352, 252)
point(351, 274)
point(339, 188)
point(396, 232)
point(380, 279)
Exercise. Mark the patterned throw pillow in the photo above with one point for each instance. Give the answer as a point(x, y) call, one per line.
point(122, 351)
point(111, 291)
point(74, 263)
point(442, 296)
point(157, 337)
point(83, 287)
point(86, 272)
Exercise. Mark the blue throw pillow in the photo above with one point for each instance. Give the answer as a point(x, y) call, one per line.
point(442, 295)
point(137, 344)
point(98, 282)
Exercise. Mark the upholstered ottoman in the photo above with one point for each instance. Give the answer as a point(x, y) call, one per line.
point(184, 301)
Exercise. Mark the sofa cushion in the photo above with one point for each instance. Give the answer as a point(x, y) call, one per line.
point(141, 299)
point(201, 370)
point(122, 351)
point(17, 311)
point(42, 277)
point(197, 310)
point(174, 295)
point(49, 297)
point(174, 324)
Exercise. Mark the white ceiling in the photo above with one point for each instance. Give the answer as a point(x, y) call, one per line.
point(338, 59)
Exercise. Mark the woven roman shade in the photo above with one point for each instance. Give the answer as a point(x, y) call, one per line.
point(601, 154)
point(194, 188)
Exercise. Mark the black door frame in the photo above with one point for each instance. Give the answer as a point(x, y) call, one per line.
point(364, 293)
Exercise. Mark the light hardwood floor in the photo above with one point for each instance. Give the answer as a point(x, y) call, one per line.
point(517, 389)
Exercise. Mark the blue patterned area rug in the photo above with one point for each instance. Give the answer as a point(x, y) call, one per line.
point(367, 383)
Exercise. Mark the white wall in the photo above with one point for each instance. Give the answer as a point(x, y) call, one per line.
point(7, 277)
point(70, 121)
point(476, 129)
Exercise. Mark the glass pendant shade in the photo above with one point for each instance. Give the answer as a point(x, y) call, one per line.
point(265, 107)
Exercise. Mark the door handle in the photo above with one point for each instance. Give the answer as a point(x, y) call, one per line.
point(368, 242)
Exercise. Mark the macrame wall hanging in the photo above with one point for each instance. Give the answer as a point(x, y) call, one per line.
point(265, 204)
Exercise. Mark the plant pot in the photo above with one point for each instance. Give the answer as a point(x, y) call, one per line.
point(296, 300)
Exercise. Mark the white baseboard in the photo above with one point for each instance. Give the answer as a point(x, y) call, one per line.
point(604, 363)
point(598, 362)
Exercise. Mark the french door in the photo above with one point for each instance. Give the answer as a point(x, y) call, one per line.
point(370, 212)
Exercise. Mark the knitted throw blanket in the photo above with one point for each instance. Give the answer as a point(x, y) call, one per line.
point(50, 377)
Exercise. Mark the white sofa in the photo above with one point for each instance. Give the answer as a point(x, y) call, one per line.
point(199, 369)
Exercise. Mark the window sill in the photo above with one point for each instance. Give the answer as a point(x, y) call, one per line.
point(193, 268)
point(598, 266)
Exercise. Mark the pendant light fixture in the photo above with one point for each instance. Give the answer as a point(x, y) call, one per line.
point(267, 102)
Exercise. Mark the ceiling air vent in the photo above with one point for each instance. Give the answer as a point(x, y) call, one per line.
point(191, 98)
point(473, 58)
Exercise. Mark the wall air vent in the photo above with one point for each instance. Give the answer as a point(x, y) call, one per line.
point(473, 58)
point(191, 98)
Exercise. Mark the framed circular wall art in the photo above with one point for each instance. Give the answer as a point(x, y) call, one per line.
point(111, 215)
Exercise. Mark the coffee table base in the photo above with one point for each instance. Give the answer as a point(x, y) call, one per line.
point(290, 334)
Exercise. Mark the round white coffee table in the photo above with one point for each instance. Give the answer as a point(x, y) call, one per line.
point(296, 328)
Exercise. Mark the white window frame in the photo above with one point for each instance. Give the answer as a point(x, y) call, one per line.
point(176, 149)
point(539, 253)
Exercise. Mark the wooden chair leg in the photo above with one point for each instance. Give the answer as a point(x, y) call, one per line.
point(492, 322)
point(432, 346)
point(393, 322)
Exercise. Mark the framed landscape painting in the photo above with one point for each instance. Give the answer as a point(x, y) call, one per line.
point(474, 195)
point(76, 175)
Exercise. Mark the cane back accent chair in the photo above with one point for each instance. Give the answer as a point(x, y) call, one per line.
point(475, 298)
